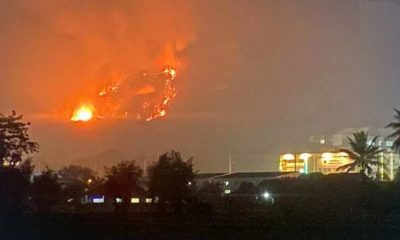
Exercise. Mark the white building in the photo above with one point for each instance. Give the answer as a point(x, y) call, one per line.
point(323, 154)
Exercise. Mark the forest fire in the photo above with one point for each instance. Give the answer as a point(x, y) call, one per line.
point(146, 97)
point(83, 114)
point(169, 94)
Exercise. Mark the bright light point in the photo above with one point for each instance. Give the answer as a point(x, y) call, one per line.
point(98, 199)
point(83, 114)
point(172, 72)
point(301, 170)
point(327, 156)
point(305, 156)
point(266, 195)
point(288, 157)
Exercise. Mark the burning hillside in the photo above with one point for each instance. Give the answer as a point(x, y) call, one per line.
point(143, 97)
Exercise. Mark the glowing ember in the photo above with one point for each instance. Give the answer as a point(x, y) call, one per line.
point(112, 88)
point(83, 114)
point(169, 94)
point(146, 96)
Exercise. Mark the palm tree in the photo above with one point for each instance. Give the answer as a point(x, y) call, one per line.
point(363, 154)
point(396, 134)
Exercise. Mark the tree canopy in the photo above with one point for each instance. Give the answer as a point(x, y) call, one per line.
point(122, 180)
point(45, 190)
point(73, 173)
point(395, 125)
point(15, 143)
point(363, 153)
point(76, 181)
point(169, 178)
point(14, 187)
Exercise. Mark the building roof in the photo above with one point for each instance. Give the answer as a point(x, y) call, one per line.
point(345, 176)
point(254, 175)
point(207, 175)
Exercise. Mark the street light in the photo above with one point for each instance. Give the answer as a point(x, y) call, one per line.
point(268, 196)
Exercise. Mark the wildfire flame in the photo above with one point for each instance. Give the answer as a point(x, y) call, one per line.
point(83, 114)
point(112, 88)
point(169, 94)
point(110, 99)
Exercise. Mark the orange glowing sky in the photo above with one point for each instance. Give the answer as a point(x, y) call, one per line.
point(248, 74)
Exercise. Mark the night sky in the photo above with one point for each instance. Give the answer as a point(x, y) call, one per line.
point(256, 77)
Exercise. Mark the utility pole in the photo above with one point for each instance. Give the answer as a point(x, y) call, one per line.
point(145, 166)
point(230, 162)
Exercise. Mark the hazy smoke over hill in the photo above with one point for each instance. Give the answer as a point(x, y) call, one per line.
point(73, 48)
point(257, 77)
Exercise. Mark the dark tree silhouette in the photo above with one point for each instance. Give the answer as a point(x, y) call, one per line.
point(210, 192)
point(169, 178)
point(363, 154)
point(15, 163)
point(14, 187)
point(96, 186)
point(76, 181)
point(396, 128)
point(122, 181)
point(247, 188)
point(46, 190)
point(14, 140)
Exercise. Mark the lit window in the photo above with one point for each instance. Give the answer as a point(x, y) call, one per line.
point(135, 200)
point(327, 156)
point(227, 191)
point(322, 141)
point(149, 200)
point(118, 200)
point(98, 199)
point(301, 170)
point(288, 157)
point(305, 156)
point(343, 154)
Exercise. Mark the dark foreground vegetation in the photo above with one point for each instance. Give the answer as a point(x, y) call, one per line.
point(312, 207)
point(55, 205)
point(302, 219)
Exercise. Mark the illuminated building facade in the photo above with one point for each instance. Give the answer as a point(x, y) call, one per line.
point(325, 157)
point(328, 162)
